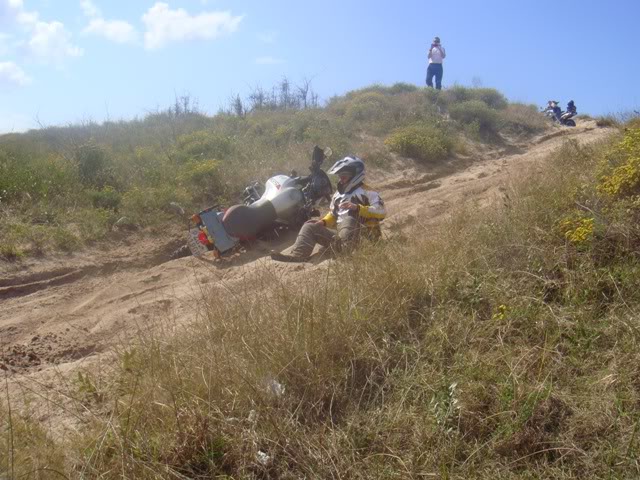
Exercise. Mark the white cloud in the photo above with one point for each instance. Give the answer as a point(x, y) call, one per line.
point(90, 9)
point(12, 75)
point(12, 11)
point(28, 18)
point(269, 61)
point(51, 43)
point(117, 31)
point(165, 25)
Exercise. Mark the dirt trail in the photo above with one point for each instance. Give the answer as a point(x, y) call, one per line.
point(57, 314)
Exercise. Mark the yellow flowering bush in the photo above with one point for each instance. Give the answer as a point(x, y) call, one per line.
point(578, 230)
point(624, 178)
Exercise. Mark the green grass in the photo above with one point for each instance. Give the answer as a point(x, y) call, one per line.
point(493, 346)
point(135, 169)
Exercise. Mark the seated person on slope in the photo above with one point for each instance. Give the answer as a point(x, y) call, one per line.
point(355, 210)
point(571, 110)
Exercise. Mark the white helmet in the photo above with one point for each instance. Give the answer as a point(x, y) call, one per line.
point(352, 165)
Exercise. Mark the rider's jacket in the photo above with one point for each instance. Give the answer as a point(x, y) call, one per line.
point(370, 208)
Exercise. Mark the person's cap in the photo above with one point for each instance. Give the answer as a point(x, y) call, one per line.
point(436, 39)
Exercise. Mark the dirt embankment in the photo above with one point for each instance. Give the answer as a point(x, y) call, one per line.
point(57, 314)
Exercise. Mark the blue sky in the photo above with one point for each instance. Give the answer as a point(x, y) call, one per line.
point(68, 61)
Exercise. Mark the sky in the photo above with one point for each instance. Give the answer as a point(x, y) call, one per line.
point(65, 62)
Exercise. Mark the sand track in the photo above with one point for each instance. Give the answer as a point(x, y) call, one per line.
point(57, 313)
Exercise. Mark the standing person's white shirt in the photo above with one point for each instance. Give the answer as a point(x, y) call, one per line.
point(437, 54)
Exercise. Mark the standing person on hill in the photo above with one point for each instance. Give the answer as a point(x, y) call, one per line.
point(355, 210)
point(436, 55)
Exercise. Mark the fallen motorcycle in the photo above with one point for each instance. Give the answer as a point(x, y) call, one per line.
point(287, 201)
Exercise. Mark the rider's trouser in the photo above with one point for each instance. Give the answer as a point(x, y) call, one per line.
point(312, 233)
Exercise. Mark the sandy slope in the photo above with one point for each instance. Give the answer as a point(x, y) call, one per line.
point(58, 314)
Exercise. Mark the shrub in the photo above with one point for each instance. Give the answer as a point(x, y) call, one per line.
point(607, 121)
point(38, 177)
point(577, 229)
point(629, 118)
point(401, 87)
point(149, 205)
point(522, 118)
point(471, 111)
point(147, 165)
point(107, 198)
point(367, 106)
point(10, 252)
point(205, 144)
point(94, 165)
point(398, 88)
point(457, 94)
point(65, 240)
point(493, 98)
point(621, 174)
point(202, 178)
point(424, 142)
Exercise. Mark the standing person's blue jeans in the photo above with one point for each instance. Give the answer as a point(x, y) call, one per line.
point(434, 70)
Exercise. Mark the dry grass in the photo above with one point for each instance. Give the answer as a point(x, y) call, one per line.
point(488, 348)
point(521, 118)
point(52, 177)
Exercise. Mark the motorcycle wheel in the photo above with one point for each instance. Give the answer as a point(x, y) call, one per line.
point(570, 123)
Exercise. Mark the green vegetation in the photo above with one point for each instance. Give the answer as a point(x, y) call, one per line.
point(503, 344)
point(477, 114)
point(26, 449)
point(426, 142)
point(66, 187)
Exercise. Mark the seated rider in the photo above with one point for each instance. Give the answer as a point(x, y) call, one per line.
point(355, 209)
point(571, 108)
point(553, 109)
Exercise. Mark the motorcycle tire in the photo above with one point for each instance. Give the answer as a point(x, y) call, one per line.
point(570, 123)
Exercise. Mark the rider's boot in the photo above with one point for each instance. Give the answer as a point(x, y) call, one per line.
point(283, 257)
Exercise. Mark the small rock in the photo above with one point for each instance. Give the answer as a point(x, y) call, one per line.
point(262, 458)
